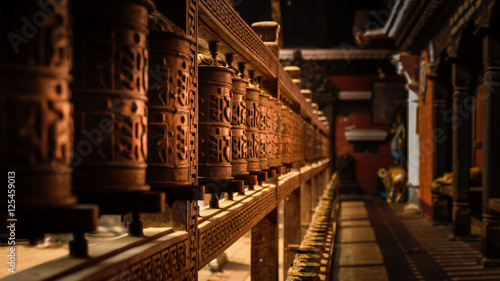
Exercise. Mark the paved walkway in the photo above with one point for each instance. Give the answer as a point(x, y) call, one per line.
point(378, 242)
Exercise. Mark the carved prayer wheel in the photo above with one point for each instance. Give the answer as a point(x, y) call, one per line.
point(36, 121)
point(276, 133)
point(111, 71)
point(309, 143)
point(215, 114)
point(238, 127)
point(286, 135)
point(253, 113)
point(264, 124)
point(295, 127)
point(271, 129)
point(170, 105)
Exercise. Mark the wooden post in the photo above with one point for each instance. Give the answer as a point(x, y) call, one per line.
point(461, 148)
point(264, 252)
point(291, 223)
point(491, 149)
point(439, 125)
point(441, 203)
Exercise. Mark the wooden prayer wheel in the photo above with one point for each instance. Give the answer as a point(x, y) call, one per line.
point(271, 129)
point(111, 71)
point(276, 130)
point(215, 114)
point(169, 161)
point(295, 137)
point(286, 135)
point(264, 125)
point(238, 127)
point(309, 143)
point(36, 123)
point(252, 122)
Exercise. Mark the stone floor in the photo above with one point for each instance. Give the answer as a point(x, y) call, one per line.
point(378, 242)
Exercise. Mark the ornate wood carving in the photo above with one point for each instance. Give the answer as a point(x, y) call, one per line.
point(264, 125)
point(216, 236)
point(215, 122)
point(36, 120)
point(238, 127)
point(252, 122)
point(111, 64)
point(219, 13)
point(286, 135)
point(276, 128)
point(169, 161)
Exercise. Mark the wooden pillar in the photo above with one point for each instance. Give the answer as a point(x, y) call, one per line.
point(440, 206)
point(290, 226)
point(264, 252)
point(461, 148)
point(440, 155)
point(305, 207)
point(491, 149)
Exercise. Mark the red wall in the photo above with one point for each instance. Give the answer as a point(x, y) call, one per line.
point(366, 164)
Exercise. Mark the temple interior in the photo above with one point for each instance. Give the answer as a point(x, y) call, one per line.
point(263, 140)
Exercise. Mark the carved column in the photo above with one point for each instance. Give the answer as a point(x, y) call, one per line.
point(461, 149)
point(491, 149)
point(264, 252)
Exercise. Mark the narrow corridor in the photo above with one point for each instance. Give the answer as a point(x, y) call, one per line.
point(376, 241)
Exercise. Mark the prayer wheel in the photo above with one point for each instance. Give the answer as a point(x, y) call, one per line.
point(286, 135)
point(169, 161)
point(238, 127)
point(111, 83)
point(271, 131)
point(276, 133)
point(36, 123)
point(264, 125)
point(215, 114)
point(252, 133)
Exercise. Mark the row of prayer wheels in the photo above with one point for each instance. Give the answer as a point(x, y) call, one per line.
point(135, 118)
point(313, 256)
point(244, 130)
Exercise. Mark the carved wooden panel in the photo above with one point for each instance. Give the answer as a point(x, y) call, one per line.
point(169, 263)
point(215, 109)
point(221, 14)
point(218, 235)
point(238, 127)
point(169, 110)
point(111, 81)
point(36, 122)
